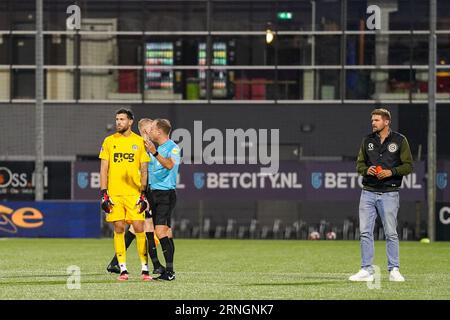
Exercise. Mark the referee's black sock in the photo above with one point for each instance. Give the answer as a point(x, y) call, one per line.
point(129, 237)
point(151, 248)
point(173, 246)
point(168, 252)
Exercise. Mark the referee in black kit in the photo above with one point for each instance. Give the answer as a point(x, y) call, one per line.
point(163, 171)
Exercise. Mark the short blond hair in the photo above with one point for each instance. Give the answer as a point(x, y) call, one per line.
point(384, 113)
point(142, 122)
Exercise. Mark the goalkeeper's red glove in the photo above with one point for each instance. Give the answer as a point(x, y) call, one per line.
point(107, 203)
point(142, 202)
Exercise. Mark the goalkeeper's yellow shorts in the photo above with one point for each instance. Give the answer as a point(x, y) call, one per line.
point(125, 208)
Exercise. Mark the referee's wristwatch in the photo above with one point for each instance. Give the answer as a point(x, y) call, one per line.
point(155, 154)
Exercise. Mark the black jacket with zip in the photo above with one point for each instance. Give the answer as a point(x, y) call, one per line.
point(394, 154)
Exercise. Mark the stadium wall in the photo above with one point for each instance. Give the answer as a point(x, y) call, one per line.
point(72, 130)
point(337, 130)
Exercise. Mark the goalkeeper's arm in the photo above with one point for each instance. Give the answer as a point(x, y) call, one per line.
point(106, 201)
point(144, 176)
point(142, 201)
point(104, 166)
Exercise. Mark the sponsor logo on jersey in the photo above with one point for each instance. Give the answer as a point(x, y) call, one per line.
point(119, 157)
point(176, 150)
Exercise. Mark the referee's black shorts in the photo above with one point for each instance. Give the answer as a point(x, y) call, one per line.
point(162, 203)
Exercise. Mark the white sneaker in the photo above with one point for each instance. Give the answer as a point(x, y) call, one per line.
point(362, 275)
point(395, 275)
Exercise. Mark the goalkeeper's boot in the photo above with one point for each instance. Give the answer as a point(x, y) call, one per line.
point(113, 268)
point(159, 270)
point(123, 276)
point(145, 276)
point(167, 275)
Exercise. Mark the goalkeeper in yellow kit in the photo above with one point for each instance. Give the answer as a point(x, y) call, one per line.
point(123, 180)
point(144, 125)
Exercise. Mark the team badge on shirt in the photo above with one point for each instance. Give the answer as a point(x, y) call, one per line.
point(370, 146)
point(175, 150)
point(134, 147)
point(392, 147)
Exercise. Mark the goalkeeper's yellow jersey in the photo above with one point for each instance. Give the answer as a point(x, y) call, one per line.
point(125, 155)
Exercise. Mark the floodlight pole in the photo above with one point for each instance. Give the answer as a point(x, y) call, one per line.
point(39, 112)
point(431, 159)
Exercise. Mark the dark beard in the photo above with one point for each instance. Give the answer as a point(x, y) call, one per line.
point(378, 131)
point(122, 131)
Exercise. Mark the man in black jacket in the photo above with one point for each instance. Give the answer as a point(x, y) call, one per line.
point(383, 159)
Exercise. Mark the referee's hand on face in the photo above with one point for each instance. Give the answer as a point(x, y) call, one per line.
point(150, 146)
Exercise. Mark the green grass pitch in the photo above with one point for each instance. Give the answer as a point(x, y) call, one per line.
point(221, 269)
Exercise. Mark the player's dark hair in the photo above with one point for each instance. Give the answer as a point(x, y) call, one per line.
point(128, 112)
point(164, 125)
